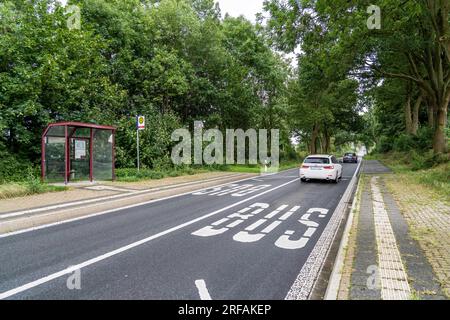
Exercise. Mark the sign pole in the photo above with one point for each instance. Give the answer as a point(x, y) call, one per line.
point(137, 138)
point(140, 125)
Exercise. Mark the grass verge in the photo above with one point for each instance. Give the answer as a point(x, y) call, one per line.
point(13, 190)
point(425, 169)
point(258, 169)
point(132, 175)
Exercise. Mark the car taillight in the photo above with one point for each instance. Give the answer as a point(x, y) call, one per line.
point(329, 167)
point(305, 167)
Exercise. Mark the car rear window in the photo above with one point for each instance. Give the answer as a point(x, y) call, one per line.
point(349, 154)
point(317, 160)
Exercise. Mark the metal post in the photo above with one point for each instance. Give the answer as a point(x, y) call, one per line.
point(137, 135)
point(66, 151)
point(113, 155)
point(91, 156)
point(43, 145)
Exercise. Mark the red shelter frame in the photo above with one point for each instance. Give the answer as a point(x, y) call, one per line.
point(67, 137)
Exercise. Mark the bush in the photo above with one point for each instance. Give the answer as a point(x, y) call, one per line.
point(385, 144)
point(33, 183)
point(404, 143)
point(424, 138)
point(426, 160)
point(13, 169)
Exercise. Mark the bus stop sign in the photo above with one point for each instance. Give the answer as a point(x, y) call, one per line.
point(140, 122)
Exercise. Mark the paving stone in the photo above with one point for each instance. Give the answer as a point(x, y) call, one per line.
point(413, 241)
point(420, 271)
point(363, 293)
point(365, 252)
point(374, 167)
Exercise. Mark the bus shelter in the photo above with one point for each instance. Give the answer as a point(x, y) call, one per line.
point(75, 151)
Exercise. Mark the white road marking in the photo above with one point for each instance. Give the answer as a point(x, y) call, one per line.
point(251, 190)
point(285, 241)
point(256, 225)
point(107, 255)
point(275, 212)
point(235, 190)
point(271, 227)
point(202, 290)
point(247, 236)
point(210, 231)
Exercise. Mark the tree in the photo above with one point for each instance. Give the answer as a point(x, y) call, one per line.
point(412, 45)
point(323, 98)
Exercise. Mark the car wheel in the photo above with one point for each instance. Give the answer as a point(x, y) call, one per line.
point(303, 180)
point(336, 180)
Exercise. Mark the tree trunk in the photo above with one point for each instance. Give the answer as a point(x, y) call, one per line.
point(408, 116)
point(440, 139)
point(314, 136)
point(326, 142)
point(431, 117)
point(415, 115)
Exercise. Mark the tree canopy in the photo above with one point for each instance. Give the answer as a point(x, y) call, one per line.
point(180, 61)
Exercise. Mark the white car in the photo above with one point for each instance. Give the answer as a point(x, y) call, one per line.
point(321, 167)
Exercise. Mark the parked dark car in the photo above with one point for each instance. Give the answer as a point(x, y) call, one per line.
point(350, 158)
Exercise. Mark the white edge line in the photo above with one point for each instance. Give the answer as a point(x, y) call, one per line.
point(202, 290)
point(61, 273)
point(336, 274)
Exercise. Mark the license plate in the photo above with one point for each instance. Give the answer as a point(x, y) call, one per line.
point(316, 168)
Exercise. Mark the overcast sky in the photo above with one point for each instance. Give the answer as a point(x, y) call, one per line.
point(235, 8)
point(247, 8)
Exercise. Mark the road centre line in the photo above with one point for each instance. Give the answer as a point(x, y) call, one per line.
point(107, 255)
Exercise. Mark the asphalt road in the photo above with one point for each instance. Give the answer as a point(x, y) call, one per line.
point(227, 243)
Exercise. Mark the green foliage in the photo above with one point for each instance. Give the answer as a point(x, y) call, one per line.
point(385, 144)
point(412, 160)
point(406, 58)
point(323, 100)
point(420, 161)
point(12, 168)
point(174, 61)
point(404, 142)
point(425, 168)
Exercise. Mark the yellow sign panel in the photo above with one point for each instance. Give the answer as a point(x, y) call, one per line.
point(141, 122)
